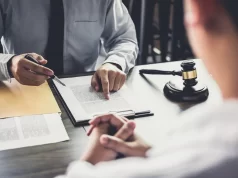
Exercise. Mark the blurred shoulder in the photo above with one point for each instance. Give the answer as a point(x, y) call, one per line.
point(221, 110)
point(221, 116)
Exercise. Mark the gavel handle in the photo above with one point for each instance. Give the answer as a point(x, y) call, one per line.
point(160, 72)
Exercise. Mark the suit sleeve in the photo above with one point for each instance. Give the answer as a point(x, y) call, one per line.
point(4, 58)
point(119, 36)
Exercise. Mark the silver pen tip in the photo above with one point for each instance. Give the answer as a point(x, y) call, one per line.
point(59, 81)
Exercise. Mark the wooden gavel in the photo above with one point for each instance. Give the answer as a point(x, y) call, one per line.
point(189, 91)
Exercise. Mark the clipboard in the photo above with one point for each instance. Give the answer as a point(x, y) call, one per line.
point(130, 114)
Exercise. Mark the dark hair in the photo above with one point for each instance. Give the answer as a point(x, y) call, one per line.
point(231, 6)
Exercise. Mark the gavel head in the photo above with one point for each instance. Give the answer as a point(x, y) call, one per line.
point(189, 73)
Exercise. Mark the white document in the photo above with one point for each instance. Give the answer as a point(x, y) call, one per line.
point(84, 102)
point(33, 130)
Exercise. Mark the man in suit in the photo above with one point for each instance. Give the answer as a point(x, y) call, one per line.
point(67, 37)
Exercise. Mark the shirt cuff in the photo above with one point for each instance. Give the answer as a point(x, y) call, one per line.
point(117, 60)
point(4, 73)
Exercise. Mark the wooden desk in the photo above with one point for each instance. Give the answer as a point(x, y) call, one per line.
point(50, 160)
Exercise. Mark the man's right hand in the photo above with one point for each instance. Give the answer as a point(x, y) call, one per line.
point(29, 73)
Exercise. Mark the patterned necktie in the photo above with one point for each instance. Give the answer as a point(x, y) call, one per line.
point(55, 46)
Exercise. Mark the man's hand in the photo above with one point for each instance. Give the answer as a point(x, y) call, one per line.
point(108, 77)
point(29, 73)
point(96, 152)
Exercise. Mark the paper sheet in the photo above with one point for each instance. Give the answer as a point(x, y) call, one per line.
point(84, 102)
point(18, 132)
point(94, 102)
point(19, 100)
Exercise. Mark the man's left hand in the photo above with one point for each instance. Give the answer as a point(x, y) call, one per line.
point(108, 77)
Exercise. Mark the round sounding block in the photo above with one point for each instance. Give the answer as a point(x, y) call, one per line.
point(176, 91)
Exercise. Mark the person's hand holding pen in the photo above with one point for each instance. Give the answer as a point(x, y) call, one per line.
point(109, 77)
point(27, 72)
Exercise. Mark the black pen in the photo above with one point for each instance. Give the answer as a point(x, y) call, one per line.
point(140, 114)
point(30, 58)
point(133, 115)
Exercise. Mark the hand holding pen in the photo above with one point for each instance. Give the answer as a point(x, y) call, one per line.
point(27, 72)
point(29, 69)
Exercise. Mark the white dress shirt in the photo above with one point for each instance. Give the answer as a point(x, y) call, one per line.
point(202, 144)
point(91, 26)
